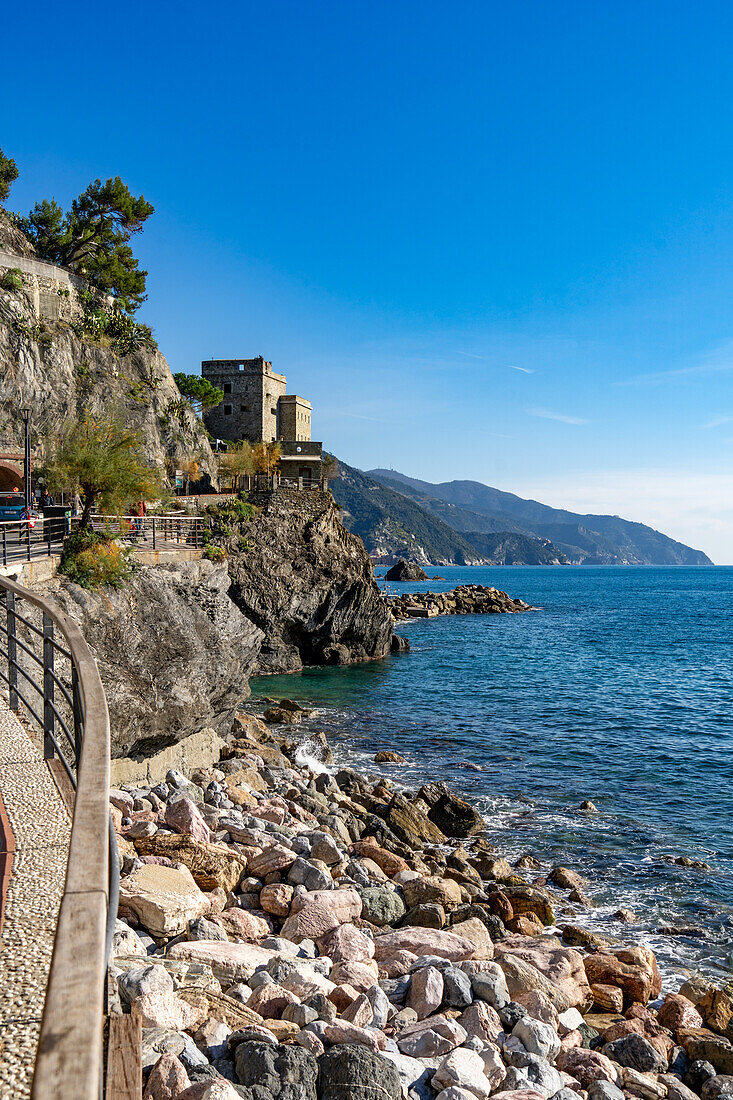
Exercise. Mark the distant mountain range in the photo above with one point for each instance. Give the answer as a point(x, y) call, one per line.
point(466, 523)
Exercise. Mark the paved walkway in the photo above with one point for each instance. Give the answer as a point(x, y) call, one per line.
point(41, 826)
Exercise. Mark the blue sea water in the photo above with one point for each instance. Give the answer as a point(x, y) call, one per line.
point(618, 688)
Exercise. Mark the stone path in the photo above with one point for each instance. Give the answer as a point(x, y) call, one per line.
point(41, 826)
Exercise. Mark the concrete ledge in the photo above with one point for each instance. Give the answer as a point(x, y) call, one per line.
point(160, 557)
point(32, 572)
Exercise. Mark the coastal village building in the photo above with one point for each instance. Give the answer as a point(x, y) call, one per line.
point(256, 407)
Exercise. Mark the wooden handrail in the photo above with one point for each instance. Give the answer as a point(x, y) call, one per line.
point(69, 1058)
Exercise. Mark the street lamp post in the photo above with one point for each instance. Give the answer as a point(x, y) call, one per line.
point(26, 414)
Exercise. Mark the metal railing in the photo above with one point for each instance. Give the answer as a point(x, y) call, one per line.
point(21, 542)
point(157, 532)
point(51, 675)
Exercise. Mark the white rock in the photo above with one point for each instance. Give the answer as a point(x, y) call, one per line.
point(164, 899)
point(537, 1038)
point(463, 1069)
point(568, 1021)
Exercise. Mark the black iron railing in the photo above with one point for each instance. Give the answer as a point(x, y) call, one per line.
point(21, 541)
point(52, 678)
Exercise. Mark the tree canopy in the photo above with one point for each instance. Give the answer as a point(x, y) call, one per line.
point(103, 458)
point(198, 391)
point(92, 238)
point(8, 175)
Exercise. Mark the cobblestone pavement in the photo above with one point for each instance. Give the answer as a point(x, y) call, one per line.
point(41, 827)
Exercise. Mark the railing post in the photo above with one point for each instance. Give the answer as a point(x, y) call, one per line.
point(48, 715)
point(28, 539)
point(49, 540)
point(12, 651)
point(5, 547)
point(153, 532)
point(77, 716)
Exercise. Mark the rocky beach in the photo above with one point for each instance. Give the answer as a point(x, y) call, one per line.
point(293, 929)
point(465, 599)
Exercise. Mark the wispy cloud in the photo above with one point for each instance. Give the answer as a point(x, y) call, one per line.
point(718, 361)
point(718, 421)
point(472, 355)
point(547, 414)
point(524, 370)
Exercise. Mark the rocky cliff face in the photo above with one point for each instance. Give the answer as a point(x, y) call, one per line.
point(174, 652)
point(47, 366)
point(307, 583)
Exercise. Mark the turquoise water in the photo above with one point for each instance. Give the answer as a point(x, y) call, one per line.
point(617, 688)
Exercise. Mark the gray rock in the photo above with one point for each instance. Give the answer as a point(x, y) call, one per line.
point(348, 1071)
point(381, 1007)
point(719, 1086)
point(698, 1072)
point(636, 1052)
point(527, 1071)
point(569, 1094)
point(144, 979)
point(490, 985)
point(604, 1090)
point(457, 990)
point(281, 1072)
point(381, 906)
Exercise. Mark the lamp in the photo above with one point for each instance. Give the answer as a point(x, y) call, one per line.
point(26, 414)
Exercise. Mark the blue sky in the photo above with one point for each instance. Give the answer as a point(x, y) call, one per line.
point(486, 240)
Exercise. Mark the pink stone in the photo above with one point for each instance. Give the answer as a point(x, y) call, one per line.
point(168, 1078)
point(571, 1040)
point(244, 924)
point(343, 996)
point(587, 1066)
point(312, 921)
point(345, 905)
point(362, 975)
point(122, 800)
point(276, 898)
point(397, 965)
point(164, 1009)
point(481, 1020)
point(271, 1000)
point(342, 1032)
point(274, 858)
point(359, 1012)
point(426, 991)
point(423, 941)
point(184, 816)
point(347, 944)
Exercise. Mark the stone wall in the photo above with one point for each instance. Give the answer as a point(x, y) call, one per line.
point(52, 291)
point(252, 391)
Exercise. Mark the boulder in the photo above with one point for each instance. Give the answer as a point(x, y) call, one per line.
point(562, 968)
point(431, 1038)
point(411, 824)
point(704, 1045)
point(636, 1052)
point(167, 1080)
point(482, 1021)
point(423, 941)
point(381, 906)
point(476, 932)
point(164, 899)
point(444, 891)
point(426, 991)
point(232, 962)
point(390, 863)
point(463, 1069)
point(346, 943)
point(344, 905)
point(212, 865)
point(274, 858)
point(451, 814)
point(349, 1071)
point(587, 1066)
point(634, 970)
point(405, 571)
point(183, 816)
point(280, 1072)
point(162, 1008)
point(311, 922)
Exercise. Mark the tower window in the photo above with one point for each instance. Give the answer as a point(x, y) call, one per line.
point(227, 410)
point(244, 408)
point(274, 412)
point(227, 387)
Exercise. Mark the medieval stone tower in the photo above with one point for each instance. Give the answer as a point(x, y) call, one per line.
point(256, 407)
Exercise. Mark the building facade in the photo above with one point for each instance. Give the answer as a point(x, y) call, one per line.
point(256, 407)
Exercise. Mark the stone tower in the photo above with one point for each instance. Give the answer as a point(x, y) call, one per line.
point(252, 392)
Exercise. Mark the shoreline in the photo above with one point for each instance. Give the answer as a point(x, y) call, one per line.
point(339, 913)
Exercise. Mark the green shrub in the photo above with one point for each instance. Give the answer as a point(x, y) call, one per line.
point(215, 553)
point(92, 559)
point(12, 279)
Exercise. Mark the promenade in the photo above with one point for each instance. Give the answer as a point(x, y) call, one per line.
point(40, 830)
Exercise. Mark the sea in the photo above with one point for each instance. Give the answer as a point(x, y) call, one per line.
point(617, 687)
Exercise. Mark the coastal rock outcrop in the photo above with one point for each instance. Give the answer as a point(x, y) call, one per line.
point(307, 584)
point(174, 652)
point(405, 571)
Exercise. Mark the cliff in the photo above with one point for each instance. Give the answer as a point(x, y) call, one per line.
point(51, 366)
point(307, 583)
point(174, 652)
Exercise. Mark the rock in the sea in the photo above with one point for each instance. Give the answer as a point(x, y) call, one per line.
point(405, 571)
point(451, 814)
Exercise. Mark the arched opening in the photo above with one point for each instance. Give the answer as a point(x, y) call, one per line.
point(11, 477)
